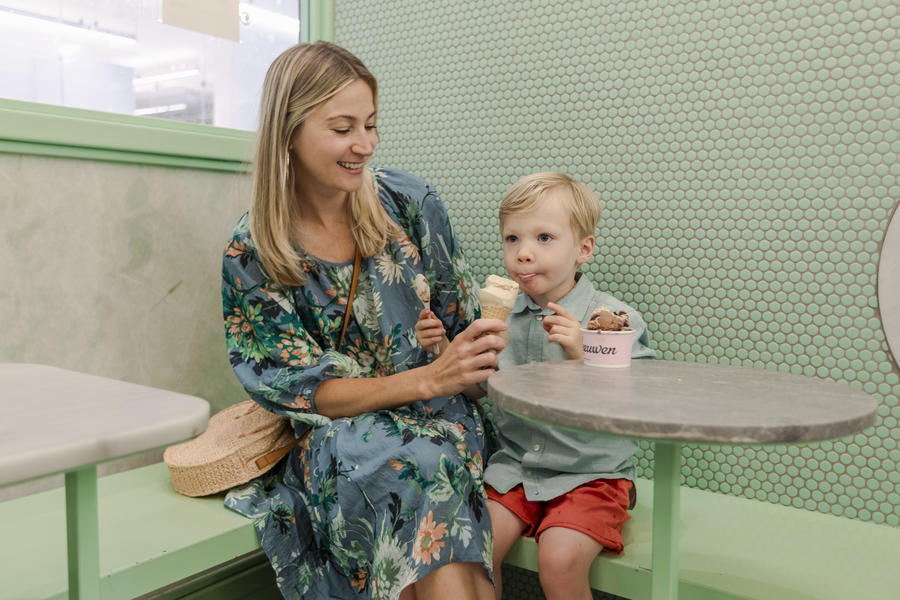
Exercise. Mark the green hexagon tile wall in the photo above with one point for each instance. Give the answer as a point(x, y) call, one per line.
point(746, 153)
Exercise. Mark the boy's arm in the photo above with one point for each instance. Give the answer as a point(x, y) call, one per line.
point(430, 332)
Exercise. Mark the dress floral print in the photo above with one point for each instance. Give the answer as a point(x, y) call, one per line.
point(363, 506)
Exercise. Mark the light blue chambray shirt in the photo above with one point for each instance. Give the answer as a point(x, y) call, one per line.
point(550, 461)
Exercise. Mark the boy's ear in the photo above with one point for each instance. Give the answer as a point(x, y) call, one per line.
point(586, 249)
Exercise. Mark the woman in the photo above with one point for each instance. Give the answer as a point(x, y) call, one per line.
point(383, 497)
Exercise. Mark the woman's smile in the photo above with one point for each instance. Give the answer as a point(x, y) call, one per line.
point(357, 166)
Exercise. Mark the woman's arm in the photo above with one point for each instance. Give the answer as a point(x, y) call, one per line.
point(461, 366)
point(283, 367)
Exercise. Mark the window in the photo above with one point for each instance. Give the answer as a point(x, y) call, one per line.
point(126, 56)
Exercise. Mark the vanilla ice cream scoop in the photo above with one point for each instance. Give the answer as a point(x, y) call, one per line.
point(498, 292)
point(497, 297)
point(423, 290)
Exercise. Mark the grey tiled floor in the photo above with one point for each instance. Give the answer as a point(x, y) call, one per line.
point(522, 584)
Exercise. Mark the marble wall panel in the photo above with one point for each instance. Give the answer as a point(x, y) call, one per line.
point(115, 270)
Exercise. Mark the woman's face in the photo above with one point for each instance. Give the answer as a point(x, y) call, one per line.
point(332, 146)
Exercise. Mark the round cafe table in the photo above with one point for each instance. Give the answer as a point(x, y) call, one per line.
point(674, 402)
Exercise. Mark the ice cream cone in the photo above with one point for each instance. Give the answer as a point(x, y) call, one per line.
point(423, 291)
point(497, 298)
point(495, 312)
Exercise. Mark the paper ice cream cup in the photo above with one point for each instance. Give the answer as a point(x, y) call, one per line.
point(607, 348)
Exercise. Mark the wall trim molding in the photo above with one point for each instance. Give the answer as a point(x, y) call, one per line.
point(60, 131)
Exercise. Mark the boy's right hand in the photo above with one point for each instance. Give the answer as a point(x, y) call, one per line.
point(565, 330)
point(430, 331)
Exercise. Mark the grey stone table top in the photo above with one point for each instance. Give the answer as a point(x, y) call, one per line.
point(678, 401)
point(55, 420)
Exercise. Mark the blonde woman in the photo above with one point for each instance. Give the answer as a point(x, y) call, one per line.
point(383, 497)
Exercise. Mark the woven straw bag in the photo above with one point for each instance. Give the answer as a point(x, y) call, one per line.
point(241, 442)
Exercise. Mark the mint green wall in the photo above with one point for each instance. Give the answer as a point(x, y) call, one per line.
point(747, 155)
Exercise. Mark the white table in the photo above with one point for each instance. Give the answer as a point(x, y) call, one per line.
point(674, 402)
point(59, 421)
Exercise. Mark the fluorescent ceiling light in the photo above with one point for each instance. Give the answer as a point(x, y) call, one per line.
point(155, 110)
point(139, 81)
point(72, 31)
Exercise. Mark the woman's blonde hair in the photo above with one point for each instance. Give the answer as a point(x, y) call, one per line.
point(583, 205)
point(299, 80)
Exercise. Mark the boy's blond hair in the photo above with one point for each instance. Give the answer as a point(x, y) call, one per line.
point(583, 205)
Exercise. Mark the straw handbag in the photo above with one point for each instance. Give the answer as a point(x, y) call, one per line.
point(240, 443)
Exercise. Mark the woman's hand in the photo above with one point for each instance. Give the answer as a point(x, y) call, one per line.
point(467, 360)
point(430, 332)
point(565, 330)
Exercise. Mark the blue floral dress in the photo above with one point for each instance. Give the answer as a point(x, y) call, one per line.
point(366, 505)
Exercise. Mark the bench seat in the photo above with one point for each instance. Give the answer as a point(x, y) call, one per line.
point(151, 537)
point(736, 548)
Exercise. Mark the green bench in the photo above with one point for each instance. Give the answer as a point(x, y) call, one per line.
point(150, 537)
point(155, 542)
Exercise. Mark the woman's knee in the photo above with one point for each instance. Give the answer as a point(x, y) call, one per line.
point(465, 580)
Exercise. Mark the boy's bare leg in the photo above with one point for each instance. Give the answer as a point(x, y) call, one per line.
point(507, 529)
point(456, 581)
point(408, 593)
point(564, 562)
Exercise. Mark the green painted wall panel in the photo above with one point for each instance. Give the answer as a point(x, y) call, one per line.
point(746, 152)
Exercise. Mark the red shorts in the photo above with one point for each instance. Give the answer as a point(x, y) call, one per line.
point(597, 509)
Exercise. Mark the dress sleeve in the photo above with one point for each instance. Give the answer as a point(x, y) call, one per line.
point(272, 351)
point(454, 293)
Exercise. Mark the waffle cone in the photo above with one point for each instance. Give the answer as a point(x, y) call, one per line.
point(494, 312)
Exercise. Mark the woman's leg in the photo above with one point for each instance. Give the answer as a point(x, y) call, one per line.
point(456, 581)
point(564, 562)
point(507, 529)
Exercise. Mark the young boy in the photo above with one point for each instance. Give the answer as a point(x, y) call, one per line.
point(570, 490)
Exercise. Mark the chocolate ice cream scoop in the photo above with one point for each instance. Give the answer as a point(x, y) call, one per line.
point(607, 320)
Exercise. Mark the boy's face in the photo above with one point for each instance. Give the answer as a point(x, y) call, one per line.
point(540, 251)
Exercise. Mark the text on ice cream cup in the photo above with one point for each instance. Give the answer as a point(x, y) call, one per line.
point(607, 348)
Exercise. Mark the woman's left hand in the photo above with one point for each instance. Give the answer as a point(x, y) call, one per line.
point(565, 330)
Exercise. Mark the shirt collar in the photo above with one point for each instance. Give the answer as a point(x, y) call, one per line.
point(572, 302)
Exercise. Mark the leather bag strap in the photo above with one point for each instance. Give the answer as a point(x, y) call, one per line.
point(356, 261)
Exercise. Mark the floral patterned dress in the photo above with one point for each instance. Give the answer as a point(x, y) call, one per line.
point(366, 505)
